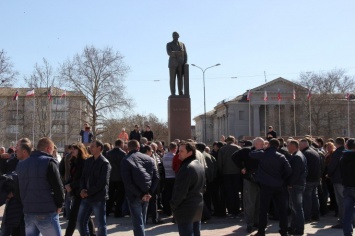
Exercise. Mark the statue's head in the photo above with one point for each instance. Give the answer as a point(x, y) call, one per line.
point(175, 35)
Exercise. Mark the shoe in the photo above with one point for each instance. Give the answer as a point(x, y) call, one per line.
point(337, 226)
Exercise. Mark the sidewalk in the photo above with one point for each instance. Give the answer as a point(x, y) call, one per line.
point(215, 227)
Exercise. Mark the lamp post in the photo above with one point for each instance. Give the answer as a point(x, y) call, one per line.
point(204, 96)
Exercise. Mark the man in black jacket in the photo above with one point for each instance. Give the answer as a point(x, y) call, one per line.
point(140, 177)
point(310, 195)
point(347, 167)
point(334, 173)
point(135, 134)
point(273, 171)
point(94, 190)
point(116, 189)
point(251, 189)
point(187, 199)
point(296, 185)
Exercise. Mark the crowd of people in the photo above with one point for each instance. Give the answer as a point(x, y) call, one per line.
point(301, 179)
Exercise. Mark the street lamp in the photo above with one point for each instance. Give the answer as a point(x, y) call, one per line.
point(204, 96)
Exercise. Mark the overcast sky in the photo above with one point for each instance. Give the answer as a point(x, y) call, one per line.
point(247, 38)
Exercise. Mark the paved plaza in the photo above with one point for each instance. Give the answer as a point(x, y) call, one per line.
point(215, 227)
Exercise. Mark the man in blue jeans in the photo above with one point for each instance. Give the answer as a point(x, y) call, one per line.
point(296, 185)
point(310, 195)
point(140, 178)
point(41, 190)
point(347, 167)
point(94, 190)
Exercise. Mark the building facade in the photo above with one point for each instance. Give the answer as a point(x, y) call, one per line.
point(287, 108)
point(59, 116)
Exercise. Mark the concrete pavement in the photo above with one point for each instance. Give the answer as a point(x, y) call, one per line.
point(215, 227)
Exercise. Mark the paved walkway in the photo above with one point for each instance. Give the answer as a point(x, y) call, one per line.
point(214, 227)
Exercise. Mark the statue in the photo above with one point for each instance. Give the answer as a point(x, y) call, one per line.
point(177, 59)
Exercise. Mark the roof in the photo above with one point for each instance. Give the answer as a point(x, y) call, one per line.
point(9, 92)
point(277, 80)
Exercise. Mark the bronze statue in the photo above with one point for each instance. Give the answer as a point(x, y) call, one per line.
point(178, 58)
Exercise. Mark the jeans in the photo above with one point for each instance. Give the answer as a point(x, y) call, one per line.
point(85, 210)
point(46, 224)
point(251, 202)
point(280, 195)
point(310, 201)
point(339, 190)
point(76, 202)
point(297, 215)
point(190, 229)
point(138, 210)
point(349, 201)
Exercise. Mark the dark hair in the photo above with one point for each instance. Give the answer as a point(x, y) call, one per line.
point(189, 147)
point(118, 142)
point(146, 149)
point(350, 144)
point(340, 141)
point(320, 141)
point(172, 145)
point(99, 144)
point(201, 147)
point(133, 145)
point(282, 141)
point(274, 143)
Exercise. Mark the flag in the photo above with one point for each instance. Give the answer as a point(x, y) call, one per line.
point(64, 94)
point(15, 98)
point(265, 95)
point(249, 95)
point(294, 94)
point(30, 93)
point(309, 95)
point(278, 95)
point(50, 94)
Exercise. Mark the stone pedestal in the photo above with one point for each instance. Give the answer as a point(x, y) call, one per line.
point(179, 117)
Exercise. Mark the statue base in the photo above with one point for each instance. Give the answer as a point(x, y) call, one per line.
point(179, 118)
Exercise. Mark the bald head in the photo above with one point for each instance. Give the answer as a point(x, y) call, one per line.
point(258, 143)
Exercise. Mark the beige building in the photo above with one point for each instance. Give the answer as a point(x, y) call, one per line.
point(36, 116)
point(242, 117)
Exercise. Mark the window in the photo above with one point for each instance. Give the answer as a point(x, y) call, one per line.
point(13, 129)
point(58, 115)
point(58, 128)
point(58, 101)
point(241, 115)
point(13, 115)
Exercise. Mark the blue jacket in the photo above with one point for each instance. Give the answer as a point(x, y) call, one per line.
point(95, 178)
point(139, 174)
point(273, 169)
point(35, 190)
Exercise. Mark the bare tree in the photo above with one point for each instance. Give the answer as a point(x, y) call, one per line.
point(42, 79)
point(99, 75)
point(328, 103)
point(7, 72)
